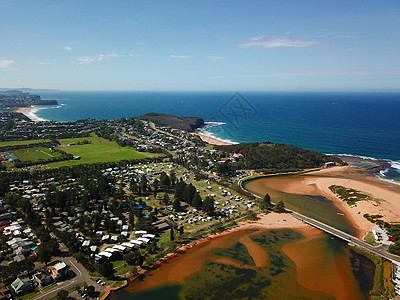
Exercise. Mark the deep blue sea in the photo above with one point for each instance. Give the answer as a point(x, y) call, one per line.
point(362, 124)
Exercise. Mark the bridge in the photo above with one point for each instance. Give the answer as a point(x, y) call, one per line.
point(377, 250)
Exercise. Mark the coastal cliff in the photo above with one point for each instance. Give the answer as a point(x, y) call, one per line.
point(189, 124)
point(12, 99)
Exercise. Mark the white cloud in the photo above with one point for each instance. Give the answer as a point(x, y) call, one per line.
point(67, 48)
point(216, 57)
point(100, 57)
point(5, 63)
point(180, 56)
point(277, 43)
point(257, 38)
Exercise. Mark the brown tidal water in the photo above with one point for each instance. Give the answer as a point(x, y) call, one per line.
point(260, 264)
point(313, 205)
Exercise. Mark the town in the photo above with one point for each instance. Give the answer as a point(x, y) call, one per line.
point(77, 231)
point(87, 205)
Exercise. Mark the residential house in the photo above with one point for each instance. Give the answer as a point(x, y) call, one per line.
point(42, 277)
point(22, 286)
point(5, 293)
point(59, 271)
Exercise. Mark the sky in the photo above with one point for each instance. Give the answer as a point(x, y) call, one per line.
point(309, 45)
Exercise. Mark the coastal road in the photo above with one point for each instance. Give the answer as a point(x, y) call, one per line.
point(378, 250)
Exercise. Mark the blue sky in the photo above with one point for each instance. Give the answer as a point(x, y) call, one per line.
point(310, 45)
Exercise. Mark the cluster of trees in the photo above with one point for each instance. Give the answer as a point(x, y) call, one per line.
point(63, 173)
point(272, 157)
point(188, 193)
point(394, 230)
point(49, 144)
point(10, 120)
point(267, 205)
point(184, 123)
point(48, 246)
point(11, 271)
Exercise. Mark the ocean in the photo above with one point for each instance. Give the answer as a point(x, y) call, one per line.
point(358, 124)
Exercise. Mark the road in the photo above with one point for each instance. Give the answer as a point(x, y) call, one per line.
point(378, 250)
point(82, 275)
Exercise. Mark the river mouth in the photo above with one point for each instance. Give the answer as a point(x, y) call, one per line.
point(258, 264)
point(308, 202)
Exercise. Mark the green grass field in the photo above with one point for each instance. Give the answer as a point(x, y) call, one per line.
point(27, 142)
point(34, 154)
point(99, 150)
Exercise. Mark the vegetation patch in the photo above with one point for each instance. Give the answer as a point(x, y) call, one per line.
point(25, 142)
point(184, 123)
point(351, 196)
point(98, 150)
point(35, 154)
point(271, 158)
point(369, 238)
point(383, 286)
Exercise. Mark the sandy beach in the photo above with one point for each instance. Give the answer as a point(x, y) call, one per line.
point(388, 194)
point(264, 222)
point(336, 276)
point(30, 112)
point(211, 140)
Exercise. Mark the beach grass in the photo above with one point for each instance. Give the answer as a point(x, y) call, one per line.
point(369, 238)
point(98, 150)
point(351, 196)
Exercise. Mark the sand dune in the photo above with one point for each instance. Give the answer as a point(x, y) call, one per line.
point(388, 207)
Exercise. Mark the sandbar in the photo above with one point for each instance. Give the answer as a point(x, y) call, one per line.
point(190, 265)
point(318, 183)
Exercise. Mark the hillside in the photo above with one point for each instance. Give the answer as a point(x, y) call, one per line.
point(272, 157)
point(184, 123)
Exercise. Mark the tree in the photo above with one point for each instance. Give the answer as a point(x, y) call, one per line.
point(164, 181)
point(130, 258)
point(131, 219)
point(90, 290)
point(176, 205)
point(251, 215)
point(280, 207)
point(62, 295)
point(266, 203)
point(208, 205)
point(44, 253)
point(197, 202)
point(156, 185)
point(143, 183)
point(166, 199)
point(106, 269)
point(223, 168)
